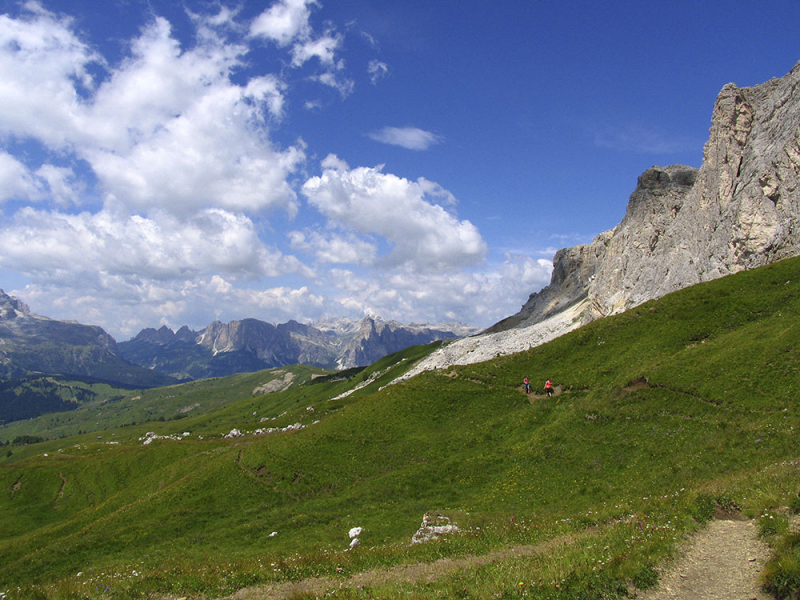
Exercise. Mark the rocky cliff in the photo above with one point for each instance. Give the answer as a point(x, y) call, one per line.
point(682, 226)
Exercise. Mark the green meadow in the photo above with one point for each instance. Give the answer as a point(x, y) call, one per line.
point(669, 414)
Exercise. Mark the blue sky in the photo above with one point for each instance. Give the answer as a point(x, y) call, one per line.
point(175, 163)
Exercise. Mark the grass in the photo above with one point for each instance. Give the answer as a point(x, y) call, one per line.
point(670, 412)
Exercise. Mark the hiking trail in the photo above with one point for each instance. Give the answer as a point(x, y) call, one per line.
point(721, 562)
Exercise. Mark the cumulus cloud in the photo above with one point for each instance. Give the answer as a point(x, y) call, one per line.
point(16, 181)
point(65, 187)
point(284, 21)
point(479, 297)
point(168, 129)
point(334, 248)
point(368, 201)
point(287, 24)
point(87, 249)
point(410, 138)
point(143, 194)
point(41, 64)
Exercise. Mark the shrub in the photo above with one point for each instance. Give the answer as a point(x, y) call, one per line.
point(782, 573)
point(772, 525)
point(646, 577)
point(794, 505)
point(704, 507)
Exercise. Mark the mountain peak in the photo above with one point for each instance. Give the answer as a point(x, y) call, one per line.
point(12, 308)
point(163, 335)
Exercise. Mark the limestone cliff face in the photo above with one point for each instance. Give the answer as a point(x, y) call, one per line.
point(573, 271)
point(684, 226)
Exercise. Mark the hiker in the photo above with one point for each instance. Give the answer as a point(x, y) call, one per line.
point(548, 388)
point(527, 385)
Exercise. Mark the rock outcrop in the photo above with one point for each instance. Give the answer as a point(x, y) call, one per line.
point(682, 226)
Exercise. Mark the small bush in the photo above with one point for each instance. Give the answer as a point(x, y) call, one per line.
point(782, 572)
point(704, 507)
point(794, 505)
point(646, 577)
point(728, 505)
point(772, 525)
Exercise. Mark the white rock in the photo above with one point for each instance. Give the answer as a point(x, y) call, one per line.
point(355, 532)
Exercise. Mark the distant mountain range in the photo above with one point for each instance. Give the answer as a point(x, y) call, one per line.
point(32, 344)
point(250, 345)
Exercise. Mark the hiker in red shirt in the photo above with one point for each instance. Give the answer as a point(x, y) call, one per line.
point(548, 388)
point(526, 384)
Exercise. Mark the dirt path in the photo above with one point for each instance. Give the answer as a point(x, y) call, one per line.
point(722, 562)
point(417, 573)
point(533, 396)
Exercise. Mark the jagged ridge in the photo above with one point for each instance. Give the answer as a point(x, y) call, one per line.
point(251, 344)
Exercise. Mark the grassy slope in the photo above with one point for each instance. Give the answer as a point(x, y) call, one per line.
point(125, 407)
point(668, 409)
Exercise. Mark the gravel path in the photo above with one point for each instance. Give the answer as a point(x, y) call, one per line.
point(722, 562)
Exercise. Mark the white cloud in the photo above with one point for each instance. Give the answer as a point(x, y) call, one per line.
point(203, 158)
point(16, 182)
point(422, 234)
point(333, 248)
point(170, 156)
point(483, 297)
point(377, 70)
point(41, 64)
point(89, 250)
point(167, 130)
point(64, 186)
point(410, 138)
point(341, 84)
point(287, 23)
point(323, 48)
point(284, 21)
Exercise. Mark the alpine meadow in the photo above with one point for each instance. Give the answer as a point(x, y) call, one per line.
point(399, 334)
point(666, 415)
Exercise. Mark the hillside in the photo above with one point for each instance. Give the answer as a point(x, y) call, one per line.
point(666, 413)
point(31, 344)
